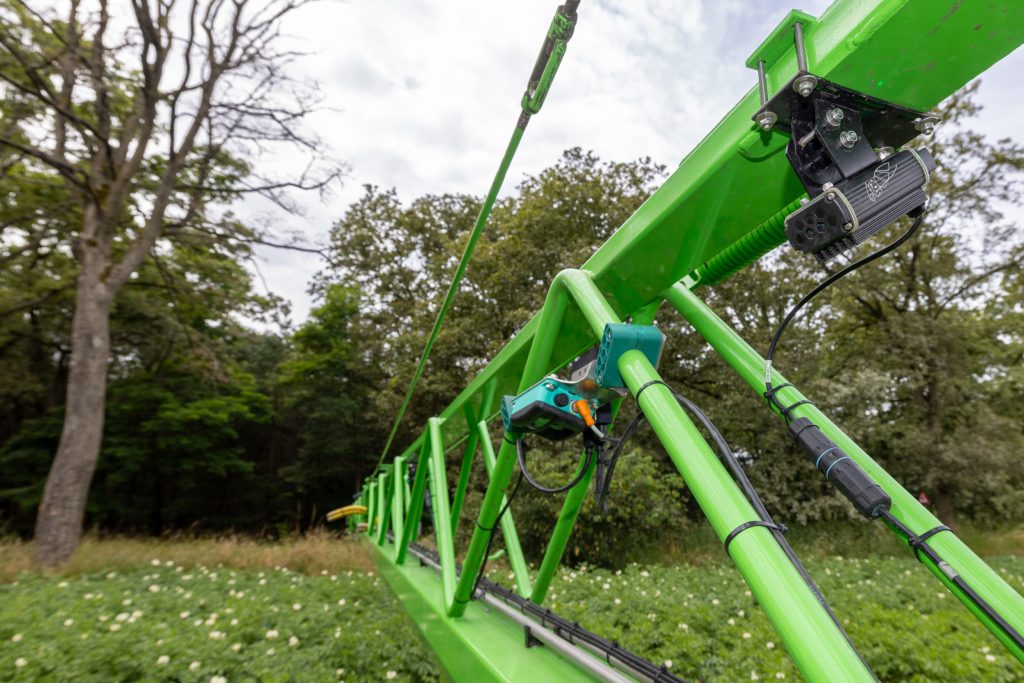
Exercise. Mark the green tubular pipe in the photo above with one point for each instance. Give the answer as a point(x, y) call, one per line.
point(561, 533)
point(747, 249)
point(371, 506)
point(749, 364)
point(508, 524)
point(383, 504)
point(398, 502)
point(470, 453)
point(439, 503)
point(460, 270)
point(416, 496)
point(815, 643)
point(549, 324)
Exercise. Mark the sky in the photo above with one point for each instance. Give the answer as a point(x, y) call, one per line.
point(422, 96)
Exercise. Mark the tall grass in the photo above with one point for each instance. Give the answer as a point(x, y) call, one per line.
point(310, 554)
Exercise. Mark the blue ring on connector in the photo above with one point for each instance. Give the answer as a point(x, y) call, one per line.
point(845, 457)
point(823, 454)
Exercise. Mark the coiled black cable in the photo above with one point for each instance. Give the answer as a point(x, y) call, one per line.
point(521, 459)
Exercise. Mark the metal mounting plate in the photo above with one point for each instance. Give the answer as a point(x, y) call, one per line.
point(885, 124)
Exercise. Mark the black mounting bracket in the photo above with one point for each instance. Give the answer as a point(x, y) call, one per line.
point(836, 132)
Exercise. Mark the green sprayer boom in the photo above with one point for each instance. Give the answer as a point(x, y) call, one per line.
point(817, 154)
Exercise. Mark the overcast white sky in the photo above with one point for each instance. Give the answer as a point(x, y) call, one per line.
point(423, 95)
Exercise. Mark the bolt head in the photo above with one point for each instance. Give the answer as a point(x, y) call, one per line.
point(834, 117)
point(804, 85)
point(830, 196)
point(766, 120)
point(928, 128)
point(848, 138)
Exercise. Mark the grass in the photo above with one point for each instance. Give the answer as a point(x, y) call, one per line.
point(234, 609)
point(310, 554)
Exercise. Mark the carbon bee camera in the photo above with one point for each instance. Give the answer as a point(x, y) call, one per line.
point(843, 147)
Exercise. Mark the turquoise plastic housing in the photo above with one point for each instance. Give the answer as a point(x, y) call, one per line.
point(618, 338)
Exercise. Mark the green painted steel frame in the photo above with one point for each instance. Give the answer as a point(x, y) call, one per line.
point(718, 211)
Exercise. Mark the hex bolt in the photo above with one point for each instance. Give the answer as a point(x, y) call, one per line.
point(884, 153)
point(766, 120)
point(805, 85)
point(834, 117)
point(848, 138)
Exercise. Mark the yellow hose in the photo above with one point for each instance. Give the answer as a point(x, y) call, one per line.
point(341, 513)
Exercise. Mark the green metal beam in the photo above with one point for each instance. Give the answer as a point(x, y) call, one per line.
point(749, 364)
point(912, 52)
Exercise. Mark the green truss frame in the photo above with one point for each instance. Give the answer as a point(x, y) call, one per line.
point(720, 210)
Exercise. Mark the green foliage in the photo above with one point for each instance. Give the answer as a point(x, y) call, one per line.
point(703, 623)
point(174, 623)
point(643, 508)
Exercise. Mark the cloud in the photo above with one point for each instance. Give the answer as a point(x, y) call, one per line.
point(422, 96)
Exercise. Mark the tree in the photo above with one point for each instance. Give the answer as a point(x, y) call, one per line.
point(147, 132)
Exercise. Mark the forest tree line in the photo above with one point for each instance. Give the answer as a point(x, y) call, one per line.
point(221, 415)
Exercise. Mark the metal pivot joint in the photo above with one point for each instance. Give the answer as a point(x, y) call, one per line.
point(549, 59)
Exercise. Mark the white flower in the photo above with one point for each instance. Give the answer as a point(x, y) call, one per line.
point(126, 602)
point(194, 666)
point(770, 645)
point(115, 627)
point(746, 635)
point(234, 622)
point(123, 616)
point(236, 647)
point(296, 607)
point(162, 660)
point(154, 588)
point(62, 584)
point(272, 633)
point(16, 638)
point(714, 601)
point(185, 614)
point(684, 627)
point(391, 674)
point(155, 563)
point(341, 603)
point(731, 621)
point(69, 622)
point(990, 658)
point(270, 652)
point(111, 575)
point(293, 641)
point(741, 614)
point(218, 679)
point(754, 676)
point(779, 675)
point(618, 601)
point(263, 582)
point(606, 586)
point(217, 635)
point(20, 662)
point(668, 663)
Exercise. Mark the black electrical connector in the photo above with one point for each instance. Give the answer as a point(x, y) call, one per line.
point(839, 468)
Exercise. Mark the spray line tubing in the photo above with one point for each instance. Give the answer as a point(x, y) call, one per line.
point(551, 53)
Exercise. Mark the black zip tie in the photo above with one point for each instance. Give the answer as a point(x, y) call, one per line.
point(917, 542)
point(770, 393)
point(788, 409)
point(639, 391)
point(747, 525)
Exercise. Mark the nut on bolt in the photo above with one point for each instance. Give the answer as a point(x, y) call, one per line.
point(848, 138)
point(766, 120)
point(805, 85)
point(834, 117)
point(926, 124)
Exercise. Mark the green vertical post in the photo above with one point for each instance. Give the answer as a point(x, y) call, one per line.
point(508, 525)
point(470, 453)
point(371, 507)
point(749, 364)
point(560, 535)
point(442, 515)
point(419, 486)
point(815, 643)
point(383, 504)
point(398, 502)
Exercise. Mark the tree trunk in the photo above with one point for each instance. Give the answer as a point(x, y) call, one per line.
point(62, 510)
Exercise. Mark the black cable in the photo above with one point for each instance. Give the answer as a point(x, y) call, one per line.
point(732, 464)
point(490, 539)
point(920, 544)
point(832, 279)
point(521, 459)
